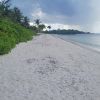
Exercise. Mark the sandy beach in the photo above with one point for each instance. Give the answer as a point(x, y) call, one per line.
point(48, 68)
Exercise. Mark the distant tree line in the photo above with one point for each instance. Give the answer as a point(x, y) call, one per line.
point(66, 32)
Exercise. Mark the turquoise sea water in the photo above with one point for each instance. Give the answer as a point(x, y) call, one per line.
point(91, 40)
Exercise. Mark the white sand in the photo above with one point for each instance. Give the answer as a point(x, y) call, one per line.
point(48, 68)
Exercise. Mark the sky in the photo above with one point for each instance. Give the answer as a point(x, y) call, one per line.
point(68, 14)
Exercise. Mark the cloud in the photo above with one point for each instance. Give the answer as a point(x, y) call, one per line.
point(63, 26)
point(95, 23)
point(56, 7)
point(82, 13)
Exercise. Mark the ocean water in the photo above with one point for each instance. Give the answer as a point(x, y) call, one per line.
point(90, 40)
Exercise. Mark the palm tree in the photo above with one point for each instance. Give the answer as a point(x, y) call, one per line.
point(41, 27)
point(37, 22)
point(17, 15)
point(49, 27)
point(25, 22)
point(34, 28)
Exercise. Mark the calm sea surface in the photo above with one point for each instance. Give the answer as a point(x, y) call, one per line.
point(91, 40)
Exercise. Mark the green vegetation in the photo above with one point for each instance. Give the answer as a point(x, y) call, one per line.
point(39, 26)
point(14, 27)
point(11, 34)
point(66, 32)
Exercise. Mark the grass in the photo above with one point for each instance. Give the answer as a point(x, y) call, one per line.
point(11, 34)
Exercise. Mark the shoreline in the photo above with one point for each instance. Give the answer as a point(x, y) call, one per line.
point(49, 68)
point(79, 44)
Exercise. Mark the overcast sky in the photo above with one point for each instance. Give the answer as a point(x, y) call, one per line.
point(76, 14)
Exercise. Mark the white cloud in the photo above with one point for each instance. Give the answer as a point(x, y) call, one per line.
point(31, 23)
point(63, 26)
point(60, 26)
point(51, 20)
point(85, 13)
point(62, 22)
point(38, 13)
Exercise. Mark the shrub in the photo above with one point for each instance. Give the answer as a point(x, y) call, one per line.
point(11, 34)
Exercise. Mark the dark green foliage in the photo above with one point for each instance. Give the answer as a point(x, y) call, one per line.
point(17, 15)
point(25, 22)
point(37, 22)
point(14, 14)
point(11, 34)
point(4, 8)
point(34, 28)
point(14, 27)
point(41, 27)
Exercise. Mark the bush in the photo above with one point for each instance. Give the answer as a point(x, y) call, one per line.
point(11, 34)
